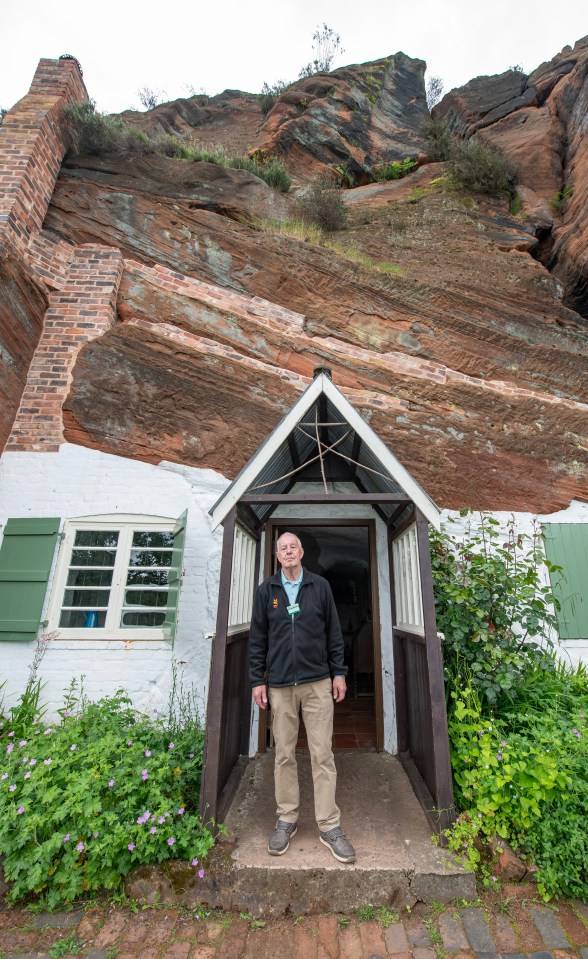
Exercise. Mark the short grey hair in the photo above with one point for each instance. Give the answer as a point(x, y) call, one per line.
point(288, 533)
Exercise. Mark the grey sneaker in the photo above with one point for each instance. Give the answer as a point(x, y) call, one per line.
point(280, 838)
point(339, 845)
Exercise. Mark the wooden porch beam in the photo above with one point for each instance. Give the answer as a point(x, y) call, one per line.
point(325, 498)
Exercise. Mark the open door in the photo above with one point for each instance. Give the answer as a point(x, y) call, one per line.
point(229, 695)
point(423, 741)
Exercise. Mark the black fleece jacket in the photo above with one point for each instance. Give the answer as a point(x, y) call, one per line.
point(295, 649)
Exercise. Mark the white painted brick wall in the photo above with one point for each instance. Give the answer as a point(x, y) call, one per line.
point(80, 482)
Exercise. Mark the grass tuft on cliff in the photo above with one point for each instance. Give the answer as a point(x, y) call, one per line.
point(94, 133)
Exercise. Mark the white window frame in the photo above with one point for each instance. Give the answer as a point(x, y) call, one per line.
point(126, 524)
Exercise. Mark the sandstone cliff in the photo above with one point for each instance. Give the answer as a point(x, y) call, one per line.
point(454, 326)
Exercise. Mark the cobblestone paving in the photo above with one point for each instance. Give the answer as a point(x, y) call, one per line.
point(503, 926)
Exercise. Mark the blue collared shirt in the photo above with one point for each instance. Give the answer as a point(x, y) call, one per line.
point(292, 588)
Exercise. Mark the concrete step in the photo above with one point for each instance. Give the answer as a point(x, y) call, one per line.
point(397, 864)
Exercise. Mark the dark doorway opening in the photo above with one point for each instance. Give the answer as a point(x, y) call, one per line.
point(342, 553)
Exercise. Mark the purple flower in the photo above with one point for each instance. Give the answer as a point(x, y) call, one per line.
point(201, 873)
point(11, 734)
point(140, 821)
point(194, 862)
point(131, 846)
point(11, 788)
point(130, 743)
point(171, 841)
point(153, 830)
point(20, 810)
point(23, 742)
point(66, 838)
point(503, 743)
point(95, 834)
point(190, 755)
point(4, 776)
point(80, 847)
point(72, 748)
point(33, 762)
point(111, 784)
point(161, 819)
point(47, 762)
point(171, 746)
point(27, 776)
point(576, 733)
point(148, 753)
point(10, 747)
point(181, 811)
point(48, 731)
point(145, 775)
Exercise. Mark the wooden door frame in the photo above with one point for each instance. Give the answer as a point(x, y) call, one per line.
point(370, 524)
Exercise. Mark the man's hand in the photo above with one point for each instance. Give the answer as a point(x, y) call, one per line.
point(260, 696)
point(339, 688)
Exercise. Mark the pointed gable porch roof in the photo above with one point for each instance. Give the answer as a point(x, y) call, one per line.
point(323, 426)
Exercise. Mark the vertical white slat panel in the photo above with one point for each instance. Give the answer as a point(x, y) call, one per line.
point(407, 582)
point(241, 602)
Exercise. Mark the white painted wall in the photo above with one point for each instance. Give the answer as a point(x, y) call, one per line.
point(569, 651)
point(80, 482)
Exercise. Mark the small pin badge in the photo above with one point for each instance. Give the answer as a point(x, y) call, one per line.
point(275, 604)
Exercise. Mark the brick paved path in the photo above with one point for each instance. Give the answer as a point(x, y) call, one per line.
point(503, 925)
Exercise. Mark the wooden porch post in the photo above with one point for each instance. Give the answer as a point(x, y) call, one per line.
point(210, 786)
point(440, 745)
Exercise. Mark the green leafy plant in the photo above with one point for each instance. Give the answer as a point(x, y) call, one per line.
point(323, 205)
point(70, 946)
point(522, 773)
point(493, 607)
point(394, 170)
point(85, 800)
point(559, 200)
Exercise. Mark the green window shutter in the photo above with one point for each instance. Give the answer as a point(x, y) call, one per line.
point(175, 576)
point(566, 545)
point(26, 556)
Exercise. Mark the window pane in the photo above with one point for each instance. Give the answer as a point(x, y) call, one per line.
point(142, 619)
point(96, 537)
point(93, 557)
point(147, 577)
point(150, 557)
point(89, 577)
point(86, 597)
point(145, 597)
point(152, 540)
point(82, 618)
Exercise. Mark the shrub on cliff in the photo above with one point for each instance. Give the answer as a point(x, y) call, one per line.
point(439, 138)
point(482, 168)
point(270, 94)
point(323, 205)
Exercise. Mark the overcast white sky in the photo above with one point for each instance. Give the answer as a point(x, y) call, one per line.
point(123, 44)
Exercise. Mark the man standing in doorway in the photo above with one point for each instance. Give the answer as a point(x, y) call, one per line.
point(296, 641)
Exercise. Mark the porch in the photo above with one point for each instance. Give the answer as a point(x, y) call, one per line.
point(397, 862)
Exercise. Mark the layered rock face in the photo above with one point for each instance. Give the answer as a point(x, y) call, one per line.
point(540, 120)
point(438, 321)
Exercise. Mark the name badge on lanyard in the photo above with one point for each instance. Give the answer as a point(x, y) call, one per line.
point(293, 609)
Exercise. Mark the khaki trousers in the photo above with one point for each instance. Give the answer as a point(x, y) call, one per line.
point(316, 702)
